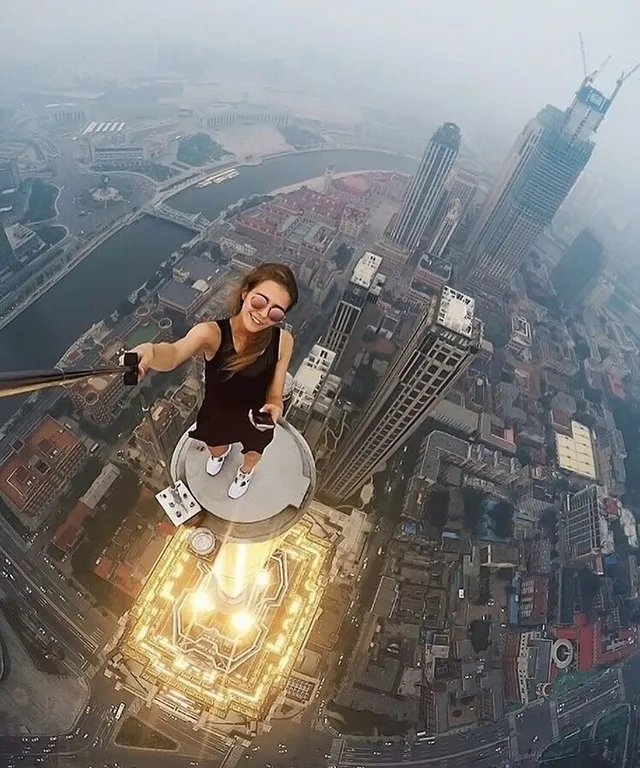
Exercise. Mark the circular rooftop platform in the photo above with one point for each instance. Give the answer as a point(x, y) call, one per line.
point(282, 486)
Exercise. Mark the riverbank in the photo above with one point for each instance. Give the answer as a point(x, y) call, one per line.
point(41, 334)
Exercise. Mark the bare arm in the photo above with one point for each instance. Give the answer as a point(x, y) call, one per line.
point(276, 388)
point(165, 356)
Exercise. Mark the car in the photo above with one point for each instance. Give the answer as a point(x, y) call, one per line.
point(535, 739)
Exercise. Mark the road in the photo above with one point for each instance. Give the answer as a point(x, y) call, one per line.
point(74, 179)
point(34, 572)
point(489, 744)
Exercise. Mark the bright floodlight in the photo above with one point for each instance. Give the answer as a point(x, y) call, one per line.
point(262, 579)
point(242, 622)
point(201, 602)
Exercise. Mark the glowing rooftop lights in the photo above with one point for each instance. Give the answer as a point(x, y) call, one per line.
point(201, 602)
point(242, 622)
point(262, 579)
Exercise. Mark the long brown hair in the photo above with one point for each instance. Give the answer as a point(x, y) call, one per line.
point(258, 342)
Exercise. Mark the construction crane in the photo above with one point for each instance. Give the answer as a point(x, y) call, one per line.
point(584, 56)
point(589, 77)
point(623, 79)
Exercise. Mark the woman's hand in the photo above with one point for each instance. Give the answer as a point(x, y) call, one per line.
point(273, 410)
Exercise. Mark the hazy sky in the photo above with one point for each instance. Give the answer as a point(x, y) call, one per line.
point(474, 60)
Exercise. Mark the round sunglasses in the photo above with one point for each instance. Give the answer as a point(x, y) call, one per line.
point(259, 302)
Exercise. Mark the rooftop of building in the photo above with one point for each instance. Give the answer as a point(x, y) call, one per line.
point(436, 265)
point(178, 294)
point(456, 312)
point(366, 269)
point(308, 202)
point(198, 268)
point(520, 327)
point(575, 451)
point(67, 533)
point(18, 235)
point(434, 445)
point(353, 213)
point(37, 458)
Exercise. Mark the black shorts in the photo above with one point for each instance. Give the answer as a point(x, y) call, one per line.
point(227, 428)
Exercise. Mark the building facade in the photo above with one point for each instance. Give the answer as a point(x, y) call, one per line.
point(308, 384)
point(357, 293)
point(441, 347)
point(460, 189)
point(577, 272)
point(426, 187)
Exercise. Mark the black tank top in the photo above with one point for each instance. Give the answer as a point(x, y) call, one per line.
point(243, 389)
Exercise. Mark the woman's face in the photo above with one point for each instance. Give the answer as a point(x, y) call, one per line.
point(264, 306)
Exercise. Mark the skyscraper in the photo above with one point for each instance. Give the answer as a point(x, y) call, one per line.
point(8, 258)
point(441, 347)
point(351, 304)
point(534, 180)
point(577, 272)
point(425, 189)
point(457, 196)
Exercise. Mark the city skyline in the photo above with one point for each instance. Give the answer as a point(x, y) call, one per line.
point(550, 51)
point(442, 534)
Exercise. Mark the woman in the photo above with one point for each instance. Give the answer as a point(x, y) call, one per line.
point(246, 361)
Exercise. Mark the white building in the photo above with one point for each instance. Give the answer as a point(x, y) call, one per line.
point(520, 340)
point(308, 385)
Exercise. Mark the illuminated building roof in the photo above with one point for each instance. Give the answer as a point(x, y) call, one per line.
point(207, 657)
point(575, 451)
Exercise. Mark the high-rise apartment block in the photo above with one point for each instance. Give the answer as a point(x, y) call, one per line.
point(441, 347)
point(425, 189)
point(537, 175)
point(585, 524)
point(308, 385)
point(360, 289)
point(577, 272)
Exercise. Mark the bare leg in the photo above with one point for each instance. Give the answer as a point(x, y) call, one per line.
point(251, 458)
point(217, 450)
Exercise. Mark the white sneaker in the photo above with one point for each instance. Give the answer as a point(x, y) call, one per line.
point(215, 464)
point(240, 484)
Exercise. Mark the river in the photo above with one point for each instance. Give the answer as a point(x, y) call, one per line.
point(40, 335)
